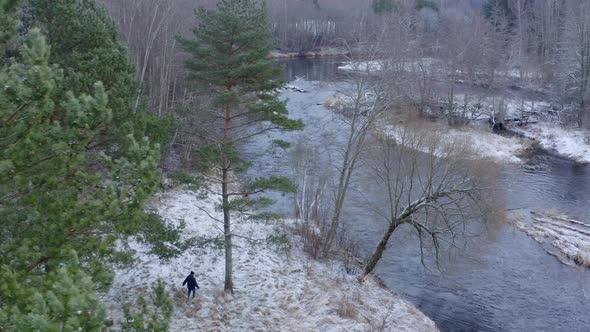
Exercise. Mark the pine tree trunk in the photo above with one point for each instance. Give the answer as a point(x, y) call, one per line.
point(379, 251)
point(229, 284)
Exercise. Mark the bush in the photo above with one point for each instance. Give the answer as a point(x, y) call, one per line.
point(152, 316)
point(347, 310)
point(280, 242)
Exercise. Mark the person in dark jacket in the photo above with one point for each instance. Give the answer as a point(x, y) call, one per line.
point(191, 283)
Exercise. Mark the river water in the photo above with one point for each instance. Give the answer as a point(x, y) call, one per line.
point(502, 280)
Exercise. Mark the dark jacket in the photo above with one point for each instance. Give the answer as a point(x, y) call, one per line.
point(190, 282)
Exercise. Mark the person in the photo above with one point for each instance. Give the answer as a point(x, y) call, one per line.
point(191, 283)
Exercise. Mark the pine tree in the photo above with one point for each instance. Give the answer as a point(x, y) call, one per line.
point(498, 8)
point(7, 21)
point(383, 6)
point(63, 202)
point(85, 43)
point(422, 4)
point(43, 198)
point(229, 62)
point(150, 316)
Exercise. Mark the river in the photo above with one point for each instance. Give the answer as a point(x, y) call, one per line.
point(502, 280)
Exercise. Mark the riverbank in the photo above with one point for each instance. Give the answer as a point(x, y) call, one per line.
point(317, 53)
point(277, 286)
point(503, 280)
point(480, 140)
point(540, 121)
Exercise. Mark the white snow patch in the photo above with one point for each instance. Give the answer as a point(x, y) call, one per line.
point(340, 102)
point(543, 127)
point(481, 143)
point(570, 143)
point(379, 65)
point(365, 66)
point(274, 290)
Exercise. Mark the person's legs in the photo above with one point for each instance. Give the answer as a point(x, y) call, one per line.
point(191, 291)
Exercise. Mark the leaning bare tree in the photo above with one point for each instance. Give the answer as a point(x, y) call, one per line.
point(430, 185)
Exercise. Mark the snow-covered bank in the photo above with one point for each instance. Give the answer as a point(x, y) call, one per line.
point(480, 142)
point(565, 238)
point(570, 143)
point(275, 290)
point(362, 66)
point(536, 120)
point(380, 65)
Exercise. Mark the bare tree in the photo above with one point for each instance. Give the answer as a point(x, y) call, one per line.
point(455, 41)
point(311, 177)
point(576, 53)
point(496, 40)
point(149, 28)
point(430, 185)
point(520, 8)
point(365, 99)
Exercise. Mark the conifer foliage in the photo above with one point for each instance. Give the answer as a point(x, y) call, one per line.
point(67, 193)
point(228, 61)
point(85, 44)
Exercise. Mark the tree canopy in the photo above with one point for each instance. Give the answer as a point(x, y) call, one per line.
point(67, 194)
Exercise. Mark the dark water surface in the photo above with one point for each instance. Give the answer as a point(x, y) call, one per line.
point(502, 280)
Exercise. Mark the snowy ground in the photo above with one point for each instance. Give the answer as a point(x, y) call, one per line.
point(379, 65)
point(275, 290)
point(571, 143)
point(565, 238)
point(568, 142)
point(362, 66)
point(481, 142)
point(545, 125)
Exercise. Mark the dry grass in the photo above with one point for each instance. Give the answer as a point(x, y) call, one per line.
point(312, 239)
point(346, 309)
point(378, 325)
point(337, 103)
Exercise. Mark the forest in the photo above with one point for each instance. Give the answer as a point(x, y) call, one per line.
point(319, 164)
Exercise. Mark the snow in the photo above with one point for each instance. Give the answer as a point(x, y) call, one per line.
point(490, 145)
point(379, 65)
point(544, 128)
point(570, 237)
point(362, 66)
point(481, 142)
point(275, 290)
point(340, 102)
point(571, 143)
